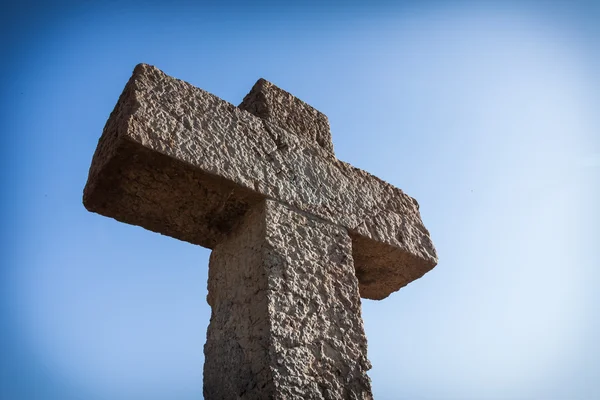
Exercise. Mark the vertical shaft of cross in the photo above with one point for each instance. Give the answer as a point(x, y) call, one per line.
point(286, 313)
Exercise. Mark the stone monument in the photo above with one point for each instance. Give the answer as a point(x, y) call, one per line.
point(297, 235)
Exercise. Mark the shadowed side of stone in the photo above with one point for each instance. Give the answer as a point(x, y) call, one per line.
point(281, 108)
point(286, 314)
point(237, 362)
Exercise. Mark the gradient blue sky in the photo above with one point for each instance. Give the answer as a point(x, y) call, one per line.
point(487, 114)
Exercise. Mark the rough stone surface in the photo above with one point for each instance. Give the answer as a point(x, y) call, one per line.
point(286, 311)
point(180, 161)
point(285, 110)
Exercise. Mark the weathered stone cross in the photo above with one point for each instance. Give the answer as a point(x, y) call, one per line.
point(297, 235)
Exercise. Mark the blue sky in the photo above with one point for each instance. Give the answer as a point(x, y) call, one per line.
point(486, 114)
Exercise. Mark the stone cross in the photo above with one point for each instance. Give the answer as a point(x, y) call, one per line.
point(297, 235)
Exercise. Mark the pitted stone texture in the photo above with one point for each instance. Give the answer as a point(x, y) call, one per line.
point(285, 110)
point(180, 161)
point(237, 362)
point(286, 311)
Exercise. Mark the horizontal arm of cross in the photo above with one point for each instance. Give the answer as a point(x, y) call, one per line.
point(178, 160)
